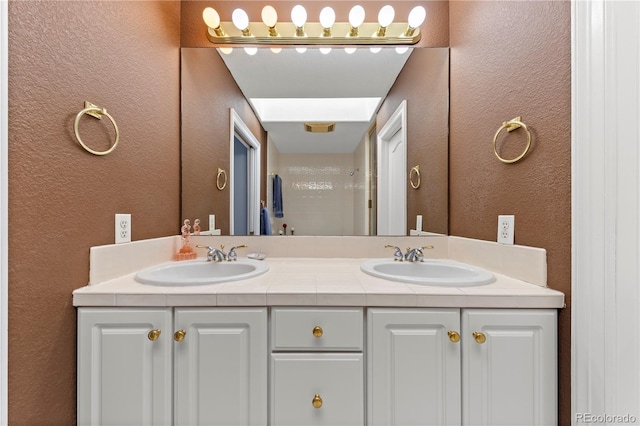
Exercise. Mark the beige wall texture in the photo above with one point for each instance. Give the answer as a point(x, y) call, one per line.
point(62, 200)
point(508, 59)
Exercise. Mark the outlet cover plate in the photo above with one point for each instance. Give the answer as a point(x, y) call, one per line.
point(506, 229)
point(123, 228)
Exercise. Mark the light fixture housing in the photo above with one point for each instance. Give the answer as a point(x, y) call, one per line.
point(313, 127)
point(300, 32)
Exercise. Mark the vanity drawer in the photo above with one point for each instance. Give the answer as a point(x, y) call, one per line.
point(317, 389)
point(317, 329)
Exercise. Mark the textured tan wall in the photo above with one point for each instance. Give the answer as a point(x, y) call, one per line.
point(208, 92)
point(435, 31)
point(513, 59)
point(424, 83)
point(123, 56)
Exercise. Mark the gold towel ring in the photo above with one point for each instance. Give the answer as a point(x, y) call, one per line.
point(97, 112)
point(223, 185)
point(414, 170)
point(512, 125)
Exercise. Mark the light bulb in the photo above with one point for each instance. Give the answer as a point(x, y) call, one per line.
point(327, 17)
point(356, 16)
point(349, 50)
point(325, 50)
point(251, 50)
point(298, 16)
point(375, 49)
point(211, 17)
point(301, 49)
point(417, 16)
point(226, 50)
point(385, 18)
point(402, 49)
point(276, 50)
point(269, 16)
point(240, 19)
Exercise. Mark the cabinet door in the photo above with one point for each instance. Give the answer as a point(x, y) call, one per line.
point(124, 372)
point(413, 367)
point(317, 389)
point(221, 366)
point(510, 371)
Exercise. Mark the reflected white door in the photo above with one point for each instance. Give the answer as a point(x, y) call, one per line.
point(392, 164)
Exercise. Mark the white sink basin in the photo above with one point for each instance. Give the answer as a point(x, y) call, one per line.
point(200, 272)
point(433, 272)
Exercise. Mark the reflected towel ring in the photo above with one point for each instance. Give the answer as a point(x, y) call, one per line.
point(97, 112)
point(221, 173)
point(415, 170)
point(512, 125)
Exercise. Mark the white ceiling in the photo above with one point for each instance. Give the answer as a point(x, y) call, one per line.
point(286, 89)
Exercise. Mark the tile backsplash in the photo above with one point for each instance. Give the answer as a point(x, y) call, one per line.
point(524, 263)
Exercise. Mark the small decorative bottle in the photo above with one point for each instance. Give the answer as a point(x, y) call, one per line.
point(196, 227)
point(186, 251)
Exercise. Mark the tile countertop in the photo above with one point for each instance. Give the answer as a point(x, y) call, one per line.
point(319, 282)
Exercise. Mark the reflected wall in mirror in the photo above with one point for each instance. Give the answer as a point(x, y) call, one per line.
point(327, 178)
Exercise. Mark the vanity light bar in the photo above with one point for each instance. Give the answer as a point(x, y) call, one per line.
point(241, 31)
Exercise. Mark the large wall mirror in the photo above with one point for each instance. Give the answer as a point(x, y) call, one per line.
point(320, 119)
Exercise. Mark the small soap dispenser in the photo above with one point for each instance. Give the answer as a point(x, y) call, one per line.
point(186, 251)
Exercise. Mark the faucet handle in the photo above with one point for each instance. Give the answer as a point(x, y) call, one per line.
point(232, 253)
point(427, 248)
point(397, 254)
point(203, 246)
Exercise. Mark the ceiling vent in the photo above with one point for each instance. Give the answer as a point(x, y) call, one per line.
point(319, 127)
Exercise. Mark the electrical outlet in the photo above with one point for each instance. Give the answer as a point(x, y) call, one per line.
point(506, 229)
point(123, 228)
point(212, 222)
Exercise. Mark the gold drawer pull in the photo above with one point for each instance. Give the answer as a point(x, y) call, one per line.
point(317, 401)
point(317, 332)
point(480, 337)
point(154, 334)
point(454, 336)
point(178, 336)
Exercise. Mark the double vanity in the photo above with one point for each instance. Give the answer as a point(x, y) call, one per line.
point(324, 331)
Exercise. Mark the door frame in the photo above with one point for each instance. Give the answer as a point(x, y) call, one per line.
point(396, 123)
point(239, 127)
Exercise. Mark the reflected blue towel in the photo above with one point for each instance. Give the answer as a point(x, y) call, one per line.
point(265, 222)
point(277, 196)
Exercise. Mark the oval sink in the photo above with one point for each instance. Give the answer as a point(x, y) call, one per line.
point(200, 272)
point(434, 272)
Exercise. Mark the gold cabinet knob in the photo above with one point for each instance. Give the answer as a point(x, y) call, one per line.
point(317, 401)
point(454, 336)
point(154, 334)
point(178, 336)
point(480, 337)
point(317, 332)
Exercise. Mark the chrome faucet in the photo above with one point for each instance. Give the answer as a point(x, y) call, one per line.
point(397, 253)
point(232, 253)
point(415, 255)
point(214, 254)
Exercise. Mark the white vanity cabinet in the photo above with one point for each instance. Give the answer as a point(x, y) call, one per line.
point(317, 366)
point(469, 366)
point(124, 366)
point(163, 366)
point(413, 363)
point(509, 367)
